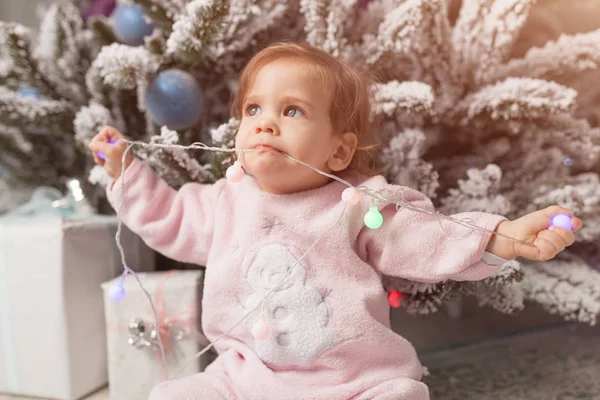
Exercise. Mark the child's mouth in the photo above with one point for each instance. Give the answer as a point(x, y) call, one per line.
point(264, 147)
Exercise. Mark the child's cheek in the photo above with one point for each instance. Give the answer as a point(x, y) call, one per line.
point(238, 138)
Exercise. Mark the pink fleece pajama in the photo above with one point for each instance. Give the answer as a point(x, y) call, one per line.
point(330, 335)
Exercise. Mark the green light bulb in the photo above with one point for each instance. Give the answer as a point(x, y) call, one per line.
point(373, 218)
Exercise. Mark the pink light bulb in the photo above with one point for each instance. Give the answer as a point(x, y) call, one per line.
point(260, 330)
point(351, 196)
point(235, 173)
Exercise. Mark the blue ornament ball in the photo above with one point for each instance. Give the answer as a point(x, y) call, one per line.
point(130, 25)
point(174, 99)
point(29, 92)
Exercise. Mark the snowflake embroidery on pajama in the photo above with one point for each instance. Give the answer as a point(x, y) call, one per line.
point(269, 222)
point(296, 312)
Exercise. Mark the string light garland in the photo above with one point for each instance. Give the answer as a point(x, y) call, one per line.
point(350, 197)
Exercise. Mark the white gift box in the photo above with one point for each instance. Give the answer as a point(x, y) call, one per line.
point(52, 327)
point(134, 360)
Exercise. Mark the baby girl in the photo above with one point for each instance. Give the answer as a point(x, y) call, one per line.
point(323, 331)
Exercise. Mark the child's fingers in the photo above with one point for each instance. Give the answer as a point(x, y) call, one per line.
point(100, 146)
point(554, 239)
point(113, 134)
point(97, 145)
point(105, 134)
point(121, 144)
point(543, 250)
point(98, 160)
point(577, 223)
point(532, 252)
point(567, 236)
point(552, 211)
point(100, 137)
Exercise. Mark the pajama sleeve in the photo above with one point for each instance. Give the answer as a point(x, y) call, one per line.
point(425, 248)
point(176, 223)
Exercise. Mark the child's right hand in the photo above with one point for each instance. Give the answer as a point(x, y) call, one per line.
point(113, 153)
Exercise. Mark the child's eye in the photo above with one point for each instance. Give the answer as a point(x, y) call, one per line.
point(253, 110)
point(293, 111)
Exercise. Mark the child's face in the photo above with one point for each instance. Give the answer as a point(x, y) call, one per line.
point(287, 108)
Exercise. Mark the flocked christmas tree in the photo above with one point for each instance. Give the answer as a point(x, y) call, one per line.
point(462, 120)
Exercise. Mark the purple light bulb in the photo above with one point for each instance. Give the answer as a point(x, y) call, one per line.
point(101, 154)
point(117, 292)
point(563, 221)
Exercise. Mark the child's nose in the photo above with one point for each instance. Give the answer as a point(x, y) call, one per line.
point(267, 127)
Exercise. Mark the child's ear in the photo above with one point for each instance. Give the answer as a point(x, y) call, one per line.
point(343, 151)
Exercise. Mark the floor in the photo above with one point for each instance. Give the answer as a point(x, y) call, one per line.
point(561, 363)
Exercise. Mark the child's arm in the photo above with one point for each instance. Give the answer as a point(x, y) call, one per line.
point(178, 224)
point(414, 246)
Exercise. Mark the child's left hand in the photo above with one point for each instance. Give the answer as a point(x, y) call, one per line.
point(547, 240)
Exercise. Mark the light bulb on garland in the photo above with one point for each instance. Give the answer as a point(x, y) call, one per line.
point(260, 330)
point(351, 196)
point(116, 292)
point(130, 24)
point(373, 218)
point(562, 220)
point(395, 298)
point(174, 99)
point(235, 173)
